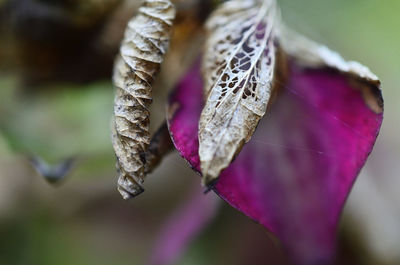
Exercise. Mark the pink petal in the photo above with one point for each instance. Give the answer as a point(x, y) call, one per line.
point(295, 174)
point(185, 107)
point(183, 226)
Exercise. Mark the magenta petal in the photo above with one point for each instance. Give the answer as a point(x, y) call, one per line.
point(183, 226)
point(185, 106)
point(295, 174)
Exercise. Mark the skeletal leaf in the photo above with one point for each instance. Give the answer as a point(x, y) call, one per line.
point(145, 42)
point(238, 69)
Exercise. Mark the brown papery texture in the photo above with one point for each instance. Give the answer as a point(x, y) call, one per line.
point(142, 51)
point(238, 70)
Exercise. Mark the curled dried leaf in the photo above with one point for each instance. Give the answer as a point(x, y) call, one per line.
point(142, 51)
point(238, 69)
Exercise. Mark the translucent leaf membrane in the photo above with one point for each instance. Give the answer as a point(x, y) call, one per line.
point(238, 68)
point(295, 174)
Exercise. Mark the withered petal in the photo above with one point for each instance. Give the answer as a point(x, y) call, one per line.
point(297, 171)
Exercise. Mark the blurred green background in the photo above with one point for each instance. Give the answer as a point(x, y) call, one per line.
point(84, 221)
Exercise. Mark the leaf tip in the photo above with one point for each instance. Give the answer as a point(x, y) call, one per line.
point(128, 187)
point(210, 173)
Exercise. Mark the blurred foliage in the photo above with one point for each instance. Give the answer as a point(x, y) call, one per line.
point(77, 115)
point(84, 221)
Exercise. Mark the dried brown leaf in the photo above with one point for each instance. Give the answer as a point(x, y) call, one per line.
point(145, 42)
point(238, 69)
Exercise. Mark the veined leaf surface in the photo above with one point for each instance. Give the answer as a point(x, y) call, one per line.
point(238, 69)
point(142, 51)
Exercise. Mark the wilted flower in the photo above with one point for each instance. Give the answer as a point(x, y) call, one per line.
point(323, 115)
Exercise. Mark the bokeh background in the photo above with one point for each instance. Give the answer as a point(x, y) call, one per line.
point(56, 101)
